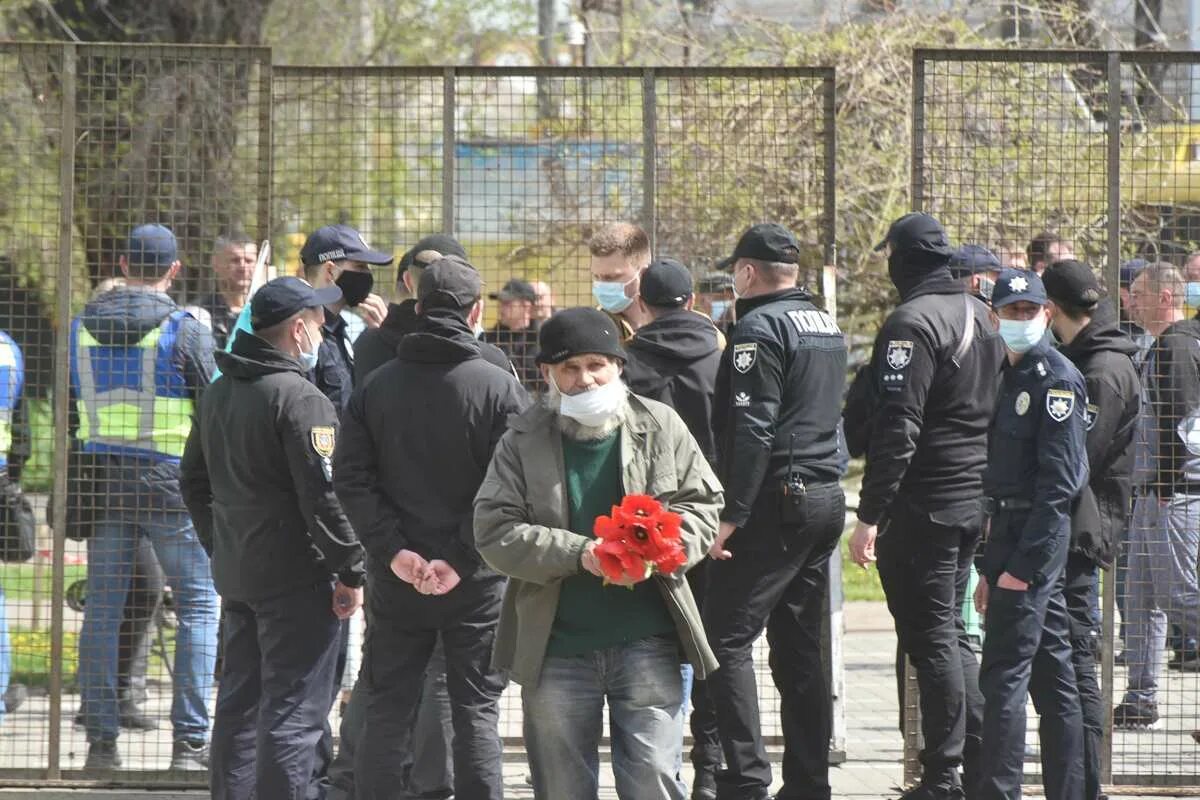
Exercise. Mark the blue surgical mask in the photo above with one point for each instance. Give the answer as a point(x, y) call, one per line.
point(719, 307)
point(309, 360)
point(1021, 335)
point(611, 295)
point(1193, 294)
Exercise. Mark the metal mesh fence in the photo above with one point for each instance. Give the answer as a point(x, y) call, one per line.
point(1049, 155)
point(113, 624)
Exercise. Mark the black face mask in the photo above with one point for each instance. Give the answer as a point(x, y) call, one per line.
point(355, 286)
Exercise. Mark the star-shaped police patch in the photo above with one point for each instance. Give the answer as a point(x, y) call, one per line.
point(1018, 284)
point(1059, 404)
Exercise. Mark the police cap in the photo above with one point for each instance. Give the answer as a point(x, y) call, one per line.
point(281, 298)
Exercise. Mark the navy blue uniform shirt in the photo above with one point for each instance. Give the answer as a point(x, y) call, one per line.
point(1037, 452)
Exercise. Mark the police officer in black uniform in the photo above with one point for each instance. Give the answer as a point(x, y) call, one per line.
point(1037, 466)
point(776, 419)
point(1104, 355)
point(935, 368)
point(257, 479)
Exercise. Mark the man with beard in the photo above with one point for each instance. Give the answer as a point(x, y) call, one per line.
point(417, 439)
point(674, 359)
point(570, 640)
point(1104, 356)
point(778, 406)
point(936, 367)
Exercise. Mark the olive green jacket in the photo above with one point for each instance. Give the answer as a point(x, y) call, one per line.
point(521, 520)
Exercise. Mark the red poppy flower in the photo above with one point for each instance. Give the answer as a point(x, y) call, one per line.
point(639, 535)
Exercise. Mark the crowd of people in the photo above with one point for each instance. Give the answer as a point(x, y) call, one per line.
point(280, 475)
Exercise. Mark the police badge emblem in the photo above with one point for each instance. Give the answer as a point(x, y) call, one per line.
point(323, 441)
point(1090, 412)
point(744, 356)
point(899, 354)
point(1022, 404)
point(1060, 403)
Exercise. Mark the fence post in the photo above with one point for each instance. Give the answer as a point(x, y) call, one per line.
point(918, 131)
point(62, 343)
point(649, 154)
point(830, 137)
point(448, 155)
point(266, 139)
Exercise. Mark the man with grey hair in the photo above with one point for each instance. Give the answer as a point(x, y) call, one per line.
point(1165, 531)
point(572, 641)
point(233, 258)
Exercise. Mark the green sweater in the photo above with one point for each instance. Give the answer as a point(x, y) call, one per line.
point(592, 616)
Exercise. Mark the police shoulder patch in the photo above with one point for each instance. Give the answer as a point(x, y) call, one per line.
point(1059, 404)
point(899, 354)
point(744, 355)
point(323, 441)
point(1090, 412)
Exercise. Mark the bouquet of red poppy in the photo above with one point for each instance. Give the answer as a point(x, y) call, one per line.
point(640, 538)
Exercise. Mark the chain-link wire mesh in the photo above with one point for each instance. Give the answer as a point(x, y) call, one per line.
point(523, 165)
point(1043, 156)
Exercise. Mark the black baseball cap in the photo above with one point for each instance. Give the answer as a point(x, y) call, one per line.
point(969, 259)
point(450, 282)
point(1131, 269)
point(516, 289)
point(576, 331)
point(1015, 285)
point(767, 241)
point(279, 299)
point(340, 243)
point(1072, 283)
point(442, 243)
point(666, 283)
point(917, 232)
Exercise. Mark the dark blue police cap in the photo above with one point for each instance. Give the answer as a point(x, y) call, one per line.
point(283, 297)
point(971, 258)
point(340, 243)
point(1017, 285)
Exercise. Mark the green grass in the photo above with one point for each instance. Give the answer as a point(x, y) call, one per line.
point(17, 580)
point(31, 658)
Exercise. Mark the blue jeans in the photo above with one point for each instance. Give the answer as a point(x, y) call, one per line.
point(563, 721)
point(186, 567)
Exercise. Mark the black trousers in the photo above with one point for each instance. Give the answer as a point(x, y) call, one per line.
point(273, 701)
point(1079, 593)
point(778, 578)
point(1027, 651)
point(405, 625)
point(706, 742)
point(925, 563)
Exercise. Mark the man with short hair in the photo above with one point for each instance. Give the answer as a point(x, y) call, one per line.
point(417, 440)
point(258, 481)
point(1046, 248)
point(673, 359)
point(514, 331)
point(543, 309)
point(1129, 272)
point(570, 640)
point(233, 258)
point(1165, 530)
point(337, 255)
point(138, 365)
point(619, 252)
point(1104, 356)
point(777, 413)
point(976, 267)
point(1036, 468)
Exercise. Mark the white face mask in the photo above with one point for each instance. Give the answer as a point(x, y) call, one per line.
point(594, 407)
point(733, 285)
point(309, 360)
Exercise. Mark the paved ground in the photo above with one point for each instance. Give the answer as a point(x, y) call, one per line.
point(873, 743)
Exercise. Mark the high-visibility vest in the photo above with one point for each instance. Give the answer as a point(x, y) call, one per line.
point(131, 399)
point(12, 379)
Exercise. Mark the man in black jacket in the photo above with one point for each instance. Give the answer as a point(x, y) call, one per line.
point(674, 359)
point(257, 479)
point(417, 441)
point(935, 368)
point(1104, 356)
point(778, 398)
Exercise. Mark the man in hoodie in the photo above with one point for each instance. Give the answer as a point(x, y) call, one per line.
point(1104, 356)
point(258, 481)
point(936, 368)
point(778, 407)
point(1165, 529)
point(138, 366)
point(417, 441)
point(674, 359)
